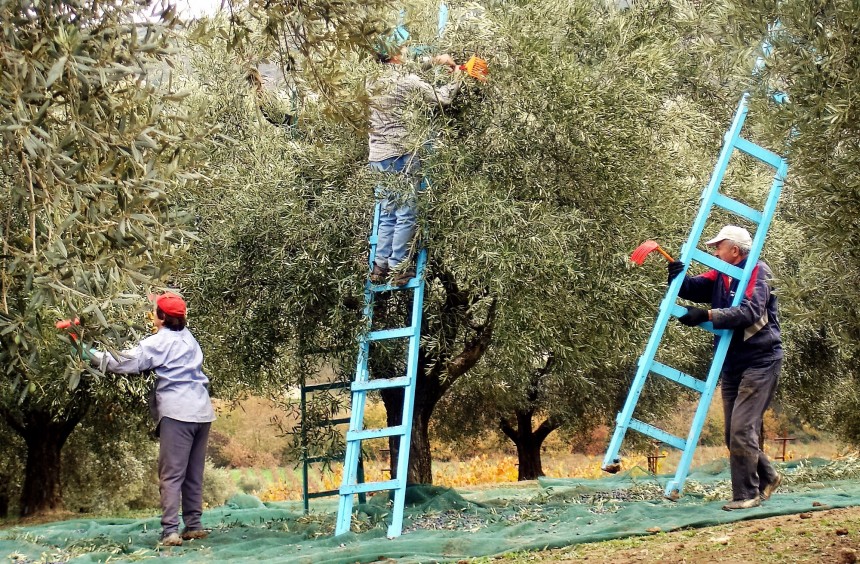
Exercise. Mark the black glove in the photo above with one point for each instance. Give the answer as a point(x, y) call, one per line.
point(694, 316)
point(675, 268)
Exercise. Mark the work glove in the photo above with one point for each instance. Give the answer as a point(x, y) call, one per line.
point(675, 268)
point(83, 352)
point(694, 316)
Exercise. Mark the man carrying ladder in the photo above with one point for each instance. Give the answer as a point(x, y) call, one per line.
point(753, 361)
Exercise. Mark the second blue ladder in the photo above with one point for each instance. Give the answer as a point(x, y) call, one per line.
point(711, 198)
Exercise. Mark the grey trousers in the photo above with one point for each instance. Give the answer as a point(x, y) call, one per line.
point(181, 458)
point(746, 396)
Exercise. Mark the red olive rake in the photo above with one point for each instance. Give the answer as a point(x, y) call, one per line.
point(67, 324)
point(645, 249)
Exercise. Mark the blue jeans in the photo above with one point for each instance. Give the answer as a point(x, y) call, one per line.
point(398, 196)
point(746, 396)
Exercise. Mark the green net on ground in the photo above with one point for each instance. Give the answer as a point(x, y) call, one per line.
point(441, 523)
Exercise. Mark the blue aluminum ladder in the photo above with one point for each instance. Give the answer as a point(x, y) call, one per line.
point(711, 198)
point(363, 383)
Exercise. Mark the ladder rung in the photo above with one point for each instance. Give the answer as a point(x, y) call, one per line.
point(677, 376)
point(327, 493)
point(371, 487)
point(381, 384)
point(759, 153)
point(738, 208)
point(326, 386)
point(678, 311)
point(414, 283)
point(375, 433)
point(717, 264)
point(391, 334)
point(658, 434)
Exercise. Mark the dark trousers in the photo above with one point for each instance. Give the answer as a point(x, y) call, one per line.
point(746, 396)
point(181, 458)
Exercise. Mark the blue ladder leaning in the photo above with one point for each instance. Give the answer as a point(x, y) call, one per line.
point(711, 197)
point(363, 383)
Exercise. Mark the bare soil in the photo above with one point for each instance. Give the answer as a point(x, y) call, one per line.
point(821, 536)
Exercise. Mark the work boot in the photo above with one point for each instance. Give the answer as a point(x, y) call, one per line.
point(742, 504)
point(378, 274)
point(403, 275)
point(171, 539)
point(194, 534)
point(768, 490)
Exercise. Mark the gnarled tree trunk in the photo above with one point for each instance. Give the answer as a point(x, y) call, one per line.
point(528, 443)
point(45, 437)
point(437, 375)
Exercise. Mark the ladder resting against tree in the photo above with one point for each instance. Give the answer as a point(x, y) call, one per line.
point(364, 382)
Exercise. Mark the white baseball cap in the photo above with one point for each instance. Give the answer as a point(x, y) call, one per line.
point(733, 233)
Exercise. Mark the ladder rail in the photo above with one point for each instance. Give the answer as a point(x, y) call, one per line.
point(408, 402)
point(665, 312)
point(358, 399)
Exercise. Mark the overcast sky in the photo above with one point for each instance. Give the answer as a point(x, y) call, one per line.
point(187, 8)
point(195, 8)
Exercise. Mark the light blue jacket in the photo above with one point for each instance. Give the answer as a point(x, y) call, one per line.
point(181, 388)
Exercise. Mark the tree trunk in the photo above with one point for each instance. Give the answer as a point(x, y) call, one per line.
point(420, 469)
point(436, 375)
point(528, 443)
point(528, 455)
point(44, 437)
point(4, 497)
point(42, 490)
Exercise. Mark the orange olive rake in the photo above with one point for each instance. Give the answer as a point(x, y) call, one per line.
point(476, 67)
point(645, 249)
point(67, 324)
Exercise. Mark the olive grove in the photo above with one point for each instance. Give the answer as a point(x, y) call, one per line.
point(141, 155)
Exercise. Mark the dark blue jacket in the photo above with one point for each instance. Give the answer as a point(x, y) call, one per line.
point(756, 338)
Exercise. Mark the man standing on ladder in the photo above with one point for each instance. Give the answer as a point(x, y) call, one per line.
point(753, 362)
point(391, 155)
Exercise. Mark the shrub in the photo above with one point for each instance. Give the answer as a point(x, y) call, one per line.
point(218, 486)
point(116, 476)
point(250, 482)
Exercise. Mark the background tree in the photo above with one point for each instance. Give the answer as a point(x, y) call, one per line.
point(93, 144)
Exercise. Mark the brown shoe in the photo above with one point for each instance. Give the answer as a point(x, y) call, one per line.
point(403, 277)
point(771, 487)
point(195, 534)
point(742, 504)
point(173, 539)
point(378, 274)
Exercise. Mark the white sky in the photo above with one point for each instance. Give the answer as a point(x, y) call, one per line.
point(197, 8)
point(188, 8)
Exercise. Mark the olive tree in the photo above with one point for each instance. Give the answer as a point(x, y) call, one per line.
point(814, 62)
point(94, 142)
point(587, 139)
